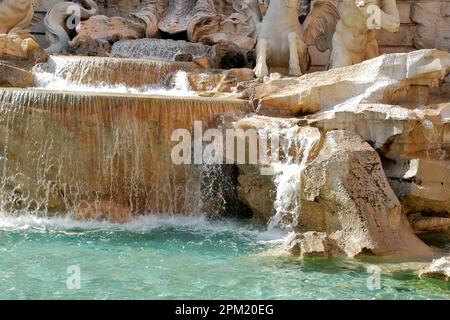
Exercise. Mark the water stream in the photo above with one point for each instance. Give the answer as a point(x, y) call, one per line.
point(88, 133)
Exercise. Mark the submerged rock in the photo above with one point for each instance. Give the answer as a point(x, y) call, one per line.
point(439, 269)
point(312, 244)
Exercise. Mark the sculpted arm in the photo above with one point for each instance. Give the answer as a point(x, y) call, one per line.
point(390, 17)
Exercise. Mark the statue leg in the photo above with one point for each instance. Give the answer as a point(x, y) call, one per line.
point(297, 50)
point(262, 53)
point(340, 56)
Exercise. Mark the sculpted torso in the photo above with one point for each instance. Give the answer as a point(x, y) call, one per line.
point(355, 37)
point(15, 15)
point(354, 20)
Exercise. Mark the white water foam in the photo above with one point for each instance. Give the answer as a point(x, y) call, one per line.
point(50, 81)
point(195, 223)
point(288, 172)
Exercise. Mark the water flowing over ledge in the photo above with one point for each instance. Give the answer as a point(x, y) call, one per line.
point(60, 150)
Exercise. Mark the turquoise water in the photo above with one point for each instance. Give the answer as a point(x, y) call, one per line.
point(180, 258)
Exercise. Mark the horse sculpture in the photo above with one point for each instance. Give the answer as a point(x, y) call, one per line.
point(282, 41)
point(16, 15)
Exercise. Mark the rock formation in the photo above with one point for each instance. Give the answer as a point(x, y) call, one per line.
point(355, 37)
point(345, 198)
point(96, 35)
point(14, 77)
point(439, 269)
point(207, 21)
point(15, 47)
point(408, 81)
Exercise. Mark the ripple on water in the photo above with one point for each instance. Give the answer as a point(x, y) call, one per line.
point(184, 257)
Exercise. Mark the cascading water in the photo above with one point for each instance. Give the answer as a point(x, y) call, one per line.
point(296, 147)
point(157, 49)
point(62, 149)
point(102, 75)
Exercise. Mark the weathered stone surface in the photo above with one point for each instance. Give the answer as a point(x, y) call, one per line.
point(347, 195)
point(15, 16)
point(403, 78)
point(97, 34)
point(423, 186)
point(15, 77)
point(421, 223)
point(343, 193)
point(102, 211)
point(433, 24)
point(312, 244)
point(439, 269)
point(15, 47)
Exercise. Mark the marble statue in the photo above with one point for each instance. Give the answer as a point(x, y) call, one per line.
point(282, 45)
point(16, 15)
point(63, 17)
point(355, 37)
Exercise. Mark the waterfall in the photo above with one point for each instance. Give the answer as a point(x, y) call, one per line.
point(60, 149)
point(107, 74)
point(297, 145)
point(157, 49)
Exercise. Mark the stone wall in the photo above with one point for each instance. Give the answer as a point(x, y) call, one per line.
point(424, 24)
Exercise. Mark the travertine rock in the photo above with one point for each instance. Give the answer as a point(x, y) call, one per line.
point(97, 34)
point(402, 78)
point(421, 223)
point(347, 195)
point(312, 244)
point(344, 193)
point(433, 24)
point(14, 47)
point(15, 77)
point(439, 269)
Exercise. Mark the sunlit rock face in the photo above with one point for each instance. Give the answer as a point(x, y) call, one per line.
point(16, 47)
point(331, 190)
point(15, 77)
point(97, 142)
point(405, 79)
point(398, 103)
